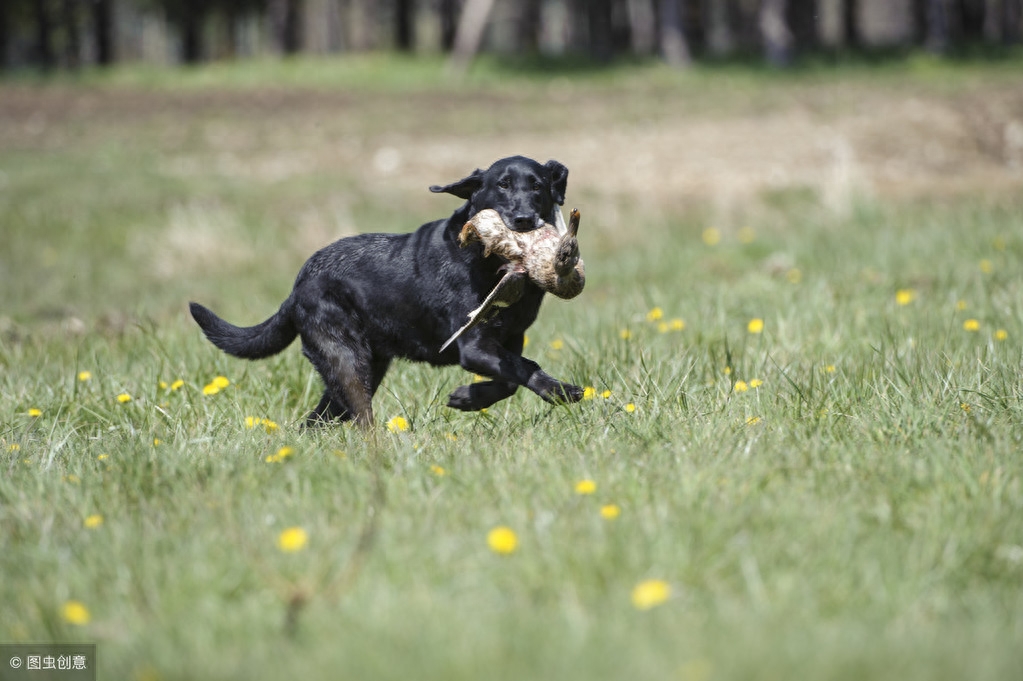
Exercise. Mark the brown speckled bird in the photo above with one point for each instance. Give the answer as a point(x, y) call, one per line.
point(548, 256)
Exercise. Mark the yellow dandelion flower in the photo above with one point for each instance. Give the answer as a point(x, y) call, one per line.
point(124, 398)
point(986, 267)
point(162, 385)
point(339, 454)
point(965, 407)
point(711, 236)
point(502, 540)
point(829, 369)
point(156, 442)
point(630, 407)
point(752, 420)
point(292, 540)
point(102, 457)
point(747, 235)
point(971, 325)
point(961, 305)
point(557, 344)
point(221, 382)
point(606, 394)
point(93, 521)
point(35, 413)
point(176, 385)
point(585, 487)
point(905, 296)
point(755, 325)
point(251, 421)
point(84, 375)
point(72, 479)
point(727, 371)
point(281, 454)
point(525, 340)
point(75, 612)
point(740, 386)
point(654, 314)
point(662, 327)
point(610, 511)
point(677, 324)
point(398, 424)
point(210, 389)
point(794, 276)
point(14, 447)
point(476, 378)
point(589, 392)
point(625, 334)
point(755, 383)
point(650, 593)
point(452, 437)
point(268, 425)
point(1001, 334)
point(438, 471)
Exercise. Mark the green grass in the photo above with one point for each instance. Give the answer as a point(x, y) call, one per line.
point(857, 515)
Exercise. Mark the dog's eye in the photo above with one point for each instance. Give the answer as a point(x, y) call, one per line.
point(537, 185)
point(504, 184)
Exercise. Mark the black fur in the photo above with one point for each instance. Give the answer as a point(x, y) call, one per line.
point(364, 300)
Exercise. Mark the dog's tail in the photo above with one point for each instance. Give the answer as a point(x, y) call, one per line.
point(253, 342)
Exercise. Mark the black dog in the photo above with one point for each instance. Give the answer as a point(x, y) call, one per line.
point(366, 299)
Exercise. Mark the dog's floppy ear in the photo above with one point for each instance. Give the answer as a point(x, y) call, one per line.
point(559, 181)
point(464, 188)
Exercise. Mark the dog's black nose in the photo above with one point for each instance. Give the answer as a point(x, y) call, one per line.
point(524, 223)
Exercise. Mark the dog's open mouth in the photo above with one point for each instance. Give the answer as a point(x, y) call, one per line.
point(548, 256)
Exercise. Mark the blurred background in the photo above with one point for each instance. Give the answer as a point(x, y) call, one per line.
point(69, 34)
point(156, 151)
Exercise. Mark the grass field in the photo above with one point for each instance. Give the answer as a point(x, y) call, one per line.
point(803, 327)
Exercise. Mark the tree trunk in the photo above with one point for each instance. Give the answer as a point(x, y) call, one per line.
point(971, 19)
point(621, 26)
point(103, 31)
point(5, 30)
point(469, 36)
point(529, 25)
point(405, 25)
point(937, 26)
point(448, 24)
point(802, 19)
point(1012, 14)
point(286, 21)
point(192, 19)
point(720, 37)
point(852, 37)
point(44, 35)
point(674, 48)
point(775, 34)
point(694, 26)
point(72, 35)
point(599, 22)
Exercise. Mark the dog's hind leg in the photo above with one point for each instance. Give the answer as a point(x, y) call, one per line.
point(348, 378)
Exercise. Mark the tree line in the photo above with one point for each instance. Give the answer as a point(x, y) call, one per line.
point(67, 34)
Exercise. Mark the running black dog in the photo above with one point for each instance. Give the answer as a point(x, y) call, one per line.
point(366, 299)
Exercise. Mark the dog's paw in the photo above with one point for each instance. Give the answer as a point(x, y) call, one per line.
point(564, 393)
point(461, 398)
point(480, 395)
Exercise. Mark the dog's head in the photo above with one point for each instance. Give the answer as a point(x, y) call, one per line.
point(525, 193)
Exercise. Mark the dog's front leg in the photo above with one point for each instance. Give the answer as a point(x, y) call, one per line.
point(488, 357)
